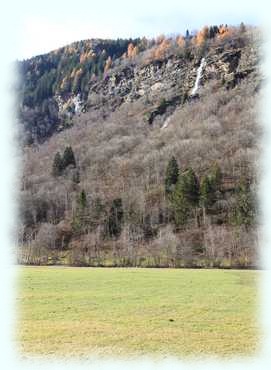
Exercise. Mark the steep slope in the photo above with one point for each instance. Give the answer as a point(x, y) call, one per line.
point(54, 84)
point(112, 205)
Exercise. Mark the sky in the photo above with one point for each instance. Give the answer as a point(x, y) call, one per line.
point(42, 26)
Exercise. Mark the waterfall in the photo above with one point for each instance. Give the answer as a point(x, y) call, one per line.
point(194, 90)
point(199, 75)
point(165, 125)
point(77, 104)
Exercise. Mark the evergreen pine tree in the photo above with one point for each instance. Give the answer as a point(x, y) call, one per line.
point(242, 27)
point(57, 165)
point(68, 157)
point(115, 218)
point(185, 196)
point(76, 177)
point(80, 217)
point(206, 192)
point(82, 201)
point(209, 186)
point(190, 186)
point(244, 212)
point(215, 177)
point(172, 174)
point(179, 205)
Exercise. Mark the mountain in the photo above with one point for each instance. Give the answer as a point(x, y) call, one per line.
point(50, 83)
point(142, 152)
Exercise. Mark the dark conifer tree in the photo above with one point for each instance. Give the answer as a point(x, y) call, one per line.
point(179, 205)
point(206, 192)
point(115, 218)
point(82, 201)
point(172, 174)
point(68, 157)
point(242, 27)
point(245, 210)
point(76, 177)
point(57, 165)
point(215, 176)
point(80, 220)
point(190, 186)
point(185, 196)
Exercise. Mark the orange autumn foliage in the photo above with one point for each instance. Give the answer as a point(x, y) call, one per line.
point(76, 74)
point(180, 41)
point(132, 51)
point(73, 73)
point(160, 39)
point(108, 64)
point(201, 36)
point(160, 50)
point(86, 55)
point(224, 31)
point(83, 57)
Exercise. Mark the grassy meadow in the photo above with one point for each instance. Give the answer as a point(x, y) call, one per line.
point(119, 311)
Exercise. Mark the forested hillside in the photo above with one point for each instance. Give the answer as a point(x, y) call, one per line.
point(142, 152)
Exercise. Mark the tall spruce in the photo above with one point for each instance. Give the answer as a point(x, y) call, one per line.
point(57, 165)
point(172, 175)
point(76, 177)
point(82, 201)
point(68, 157)
point(242, 27)
point(215, 176)
point(206, 192)
point(80, 216)
point(245, 209)
point(185, 197)
point(190, 187)
point(179, 205)
point(115, 218)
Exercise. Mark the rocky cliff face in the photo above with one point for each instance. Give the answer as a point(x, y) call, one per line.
point(161, 84)
point(165, 84)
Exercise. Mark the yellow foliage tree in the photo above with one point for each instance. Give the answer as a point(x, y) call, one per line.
point(76, 80)
point(83, 57)
point(73, 73)
point(222, 30)
point(136, 51)
point(86, 55)
point(65, 84)
point(160, 39)
point(201, 36)
point(160, 51)
point(132, 51)
point(181, 41)
point(108, 64)
point(225, 31)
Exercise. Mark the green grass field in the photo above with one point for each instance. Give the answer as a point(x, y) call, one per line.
point(85, 311)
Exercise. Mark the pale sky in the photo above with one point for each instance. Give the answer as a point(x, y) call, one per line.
point(46, 25)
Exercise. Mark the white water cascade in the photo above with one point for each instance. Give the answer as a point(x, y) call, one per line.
point(165, 125)
point(77, 104)
point(194, 90)
point(199, 75)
